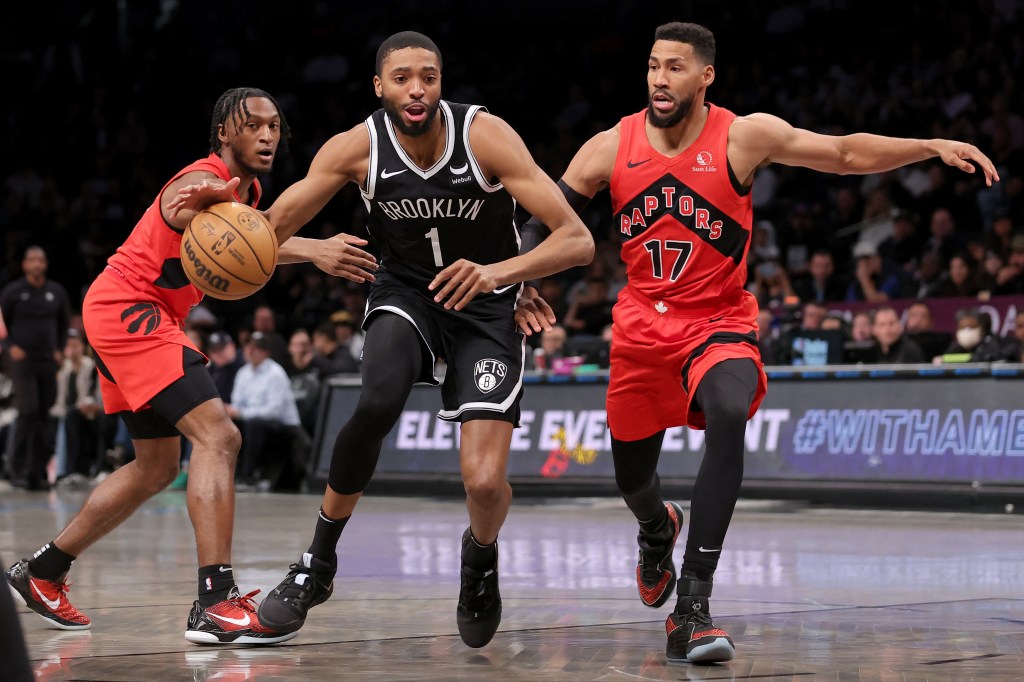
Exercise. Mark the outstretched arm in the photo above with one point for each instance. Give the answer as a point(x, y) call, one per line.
point(762, 138)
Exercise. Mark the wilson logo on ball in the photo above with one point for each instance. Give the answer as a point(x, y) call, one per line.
point(202, 271)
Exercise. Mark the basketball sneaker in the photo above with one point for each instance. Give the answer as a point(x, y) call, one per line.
point(655, 571)
point(308, 583)
point(479, 610)
point(692, 636)
point(48, 598)
point(232, 621)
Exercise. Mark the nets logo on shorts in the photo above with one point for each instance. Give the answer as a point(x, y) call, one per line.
point(488, 374)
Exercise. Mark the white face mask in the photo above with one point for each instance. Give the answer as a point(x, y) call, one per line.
point(968, 337)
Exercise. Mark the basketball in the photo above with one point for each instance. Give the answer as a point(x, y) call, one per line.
point(229, 251)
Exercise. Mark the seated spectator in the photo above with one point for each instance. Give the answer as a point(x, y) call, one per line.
point(874, 280)
point(263, 405)
point(1010, 278)
point(552, 347)
point(771, 285)
point(809, 344)
point(225, 361)
point(894, 346)
point(328, 356)
point(821, 283)
point(264, 321)
point(928, 276)
point(347, 335)
point(960, 279)
point(975, 341)
point(1017, 335)
point(305, 378)
point(904, 246)
point(79, 412)
point(920, 327)
point(767, 337)
point(590, 309)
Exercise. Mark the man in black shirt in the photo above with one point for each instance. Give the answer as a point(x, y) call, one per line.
point(225, 361)
point(895, 347)
point(36, 311)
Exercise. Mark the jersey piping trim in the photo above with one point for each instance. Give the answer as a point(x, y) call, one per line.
point(371, 172)
point(485, 185)
point(449, 145)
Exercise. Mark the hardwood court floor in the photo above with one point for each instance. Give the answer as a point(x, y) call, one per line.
point(807, 593)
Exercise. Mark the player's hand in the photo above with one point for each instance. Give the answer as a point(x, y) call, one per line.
point(341, 256)
point(199, 195)
point(462, 281)
point(956, 154)
point(533, 314)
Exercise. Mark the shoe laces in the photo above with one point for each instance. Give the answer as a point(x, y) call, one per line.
point(295, 589)
point(651, 557)
point(245, 601)
point(478, 586)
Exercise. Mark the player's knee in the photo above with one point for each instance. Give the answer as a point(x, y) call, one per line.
point(485, 488)
point(378, 415)
point(730, 414)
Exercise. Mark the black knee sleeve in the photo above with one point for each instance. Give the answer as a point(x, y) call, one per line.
point(392, 362)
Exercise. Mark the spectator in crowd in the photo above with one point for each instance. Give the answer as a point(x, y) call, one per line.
point(263, 406)
point(771, 285)
point(1016, 337)
point(860, 326)
point(329, 357)
point(808, 343)
point(798, 239)
point(894, 346)
point(552, 347)
point(960, 279)
point(553, 290)
point(590, 310)
point(945, 237)
point(903, 247)
point(820, 283)
point(1010, 278)
point(347, 335)
point(875, 280)
point(767, 336)
point(975, 341)
point(36, 311)
point(225, 361)
point(79, 411)
point(929, 275)
point(264, 321)
point(305, 377)
point(919, 325)
point(999, 238)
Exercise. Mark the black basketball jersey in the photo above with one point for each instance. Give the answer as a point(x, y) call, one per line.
point(423, 220)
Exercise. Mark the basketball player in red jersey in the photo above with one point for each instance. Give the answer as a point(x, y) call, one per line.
point(684, 345)
point(156, 379)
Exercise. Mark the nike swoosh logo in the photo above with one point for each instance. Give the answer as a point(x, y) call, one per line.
point(53, 604)
point(460, 170)
point(630, 164)
point(385, 175)
point(223, 570)
point(242, 622)
point(708, 550)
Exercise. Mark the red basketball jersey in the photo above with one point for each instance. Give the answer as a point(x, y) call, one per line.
point(150, 257)
point(684, 221)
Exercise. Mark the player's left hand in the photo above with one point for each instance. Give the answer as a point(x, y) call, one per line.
point(533, 314)
point(463, 280)
point(341, 256)
point(956, 154)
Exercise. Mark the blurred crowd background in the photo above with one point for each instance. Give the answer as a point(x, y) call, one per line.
point(108, 100)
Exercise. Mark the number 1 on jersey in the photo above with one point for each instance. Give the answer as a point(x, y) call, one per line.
point(435, 244)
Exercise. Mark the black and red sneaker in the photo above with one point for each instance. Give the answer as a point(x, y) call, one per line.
point(692, 635)
point(48, 598)
point(655, 571)
point(232, 621)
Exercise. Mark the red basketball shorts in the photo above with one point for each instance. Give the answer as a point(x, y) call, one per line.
point(660, 353)
point(138, 343)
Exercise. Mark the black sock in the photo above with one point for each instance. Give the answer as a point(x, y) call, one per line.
point(50, 562)
point(325, 539)
point(480, 557)
point(214, 583)
point(659, 527)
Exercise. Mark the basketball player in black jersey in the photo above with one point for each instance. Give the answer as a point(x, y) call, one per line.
point(440, 181)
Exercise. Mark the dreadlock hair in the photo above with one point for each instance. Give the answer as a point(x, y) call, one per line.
point(402, 40)
point(700, 37)
point(231, 105)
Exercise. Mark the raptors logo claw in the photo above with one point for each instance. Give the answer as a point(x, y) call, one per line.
point(148, 313)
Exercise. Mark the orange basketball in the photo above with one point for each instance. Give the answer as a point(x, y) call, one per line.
point(229, 251)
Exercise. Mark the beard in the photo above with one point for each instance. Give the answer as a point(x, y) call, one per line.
point(251, 169)
point(660, 120)
point(411, 129)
